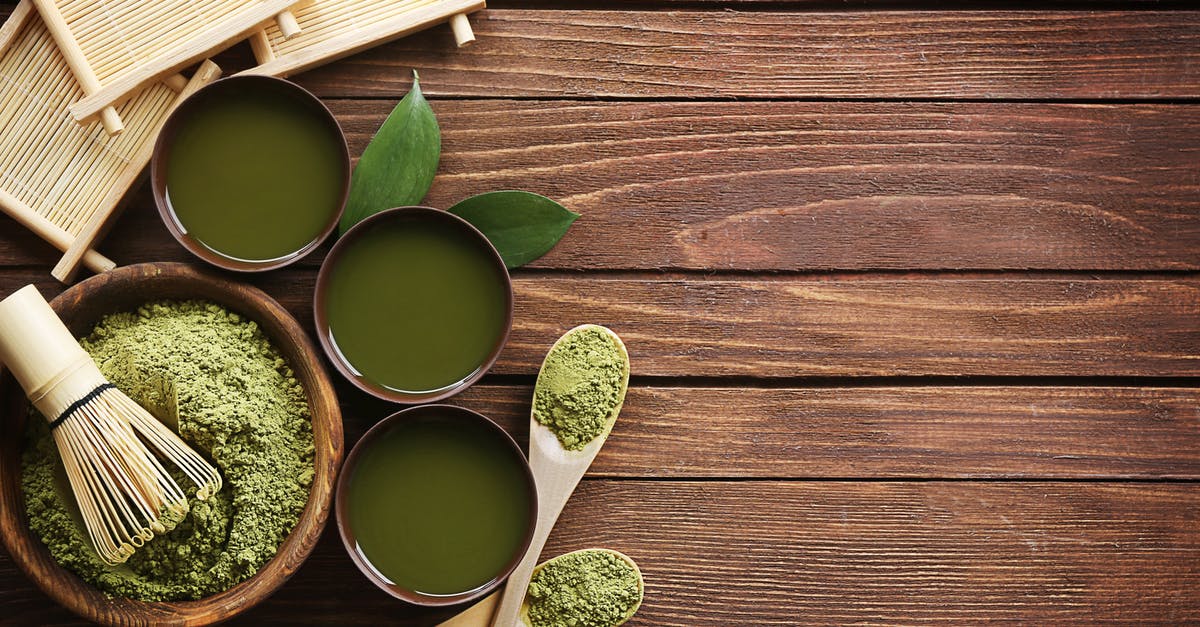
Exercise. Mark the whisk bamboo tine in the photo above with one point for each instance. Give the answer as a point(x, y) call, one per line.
point(124, 492)
point(206, 478)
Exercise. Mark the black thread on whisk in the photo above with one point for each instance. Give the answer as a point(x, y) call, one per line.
point(100, 389)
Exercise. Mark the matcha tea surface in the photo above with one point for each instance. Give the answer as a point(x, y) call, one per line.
point(439, 507)
point(254, 175)
point(416, 306)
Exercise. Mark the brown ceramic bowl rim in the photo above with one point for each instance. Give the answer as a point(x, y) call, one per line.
point(443, 413)
point(166, 139)
point(66, 587)
point(322, 292)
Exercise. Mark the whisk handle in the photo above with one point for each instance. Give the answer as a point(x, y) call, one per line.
point(34, 343)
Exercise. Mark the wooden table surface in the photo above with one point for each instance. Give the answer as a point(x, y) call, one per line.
point(912, 299)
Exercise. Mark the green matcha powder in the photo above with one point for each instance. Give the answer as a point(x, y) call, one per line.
point(584, 589)
point(580, 385)
point(238, 403)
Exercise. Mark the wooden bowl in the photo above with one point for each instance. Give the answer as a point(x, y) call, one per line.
point(123, 289)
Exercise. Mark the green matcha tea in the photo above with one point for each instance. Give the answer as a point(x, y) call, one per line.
point(438, 505)
point(254, 174)
point(416, 305)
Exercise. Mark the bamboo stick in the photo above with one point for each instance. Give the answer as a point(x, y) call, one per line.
point(76, 61)
point(177, 53)
point(332, 18)
point(176, 82)
point(50, 232)
point(288, 25)
point(16, 20)
point(350, 32)
point(463, 35)
point(261, 46)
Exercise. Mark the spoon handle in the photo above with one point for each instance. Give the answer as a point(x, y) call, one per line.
point(518, 582)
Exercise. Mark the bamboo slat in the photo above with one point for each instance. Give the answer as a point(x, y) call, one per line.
point(332, 29)
point(62, 180)
point(117, 47)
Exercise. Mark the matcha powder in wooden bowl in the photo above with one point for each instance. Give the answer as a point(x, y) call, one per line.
point(236, 401)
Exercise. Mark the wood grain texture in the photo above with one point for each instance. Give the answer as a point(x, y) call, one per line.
point(706, 54)
point(704, 141)
point(786, 186)
point(782, 327)
point(782, 553)
point(823, 5)
point(927, 432)
point(804, 186)
point(969, 432)
point(844, 5)
point(791, 328)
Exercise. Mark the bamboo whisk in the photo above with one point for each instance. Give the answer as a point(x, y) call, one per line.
point(124, 493)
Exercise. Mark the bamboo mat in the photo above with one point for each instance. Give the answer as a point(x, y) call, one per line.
point(62, 180)
point(332, 29)
point(115, 47)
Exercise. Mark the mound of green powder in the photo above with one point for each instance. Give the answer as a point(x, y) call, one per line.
point(581, 383)
point(238, 404)
point(584, 589)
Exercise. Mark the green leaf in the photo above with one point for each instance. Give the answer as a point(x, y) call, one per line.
point(521, 225)
point(398, 165)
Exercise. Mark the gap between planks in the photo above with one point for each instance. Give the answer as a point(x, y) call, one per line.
point(955, 433)
point(814, 328)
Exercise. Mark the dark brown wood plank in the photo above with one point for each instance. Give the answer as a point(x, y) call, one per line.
point(785, 186)
point(843, 5)
point(765, 553)
point(928, 432)
point(629, 54)
point(993, 55)
point(784, 327)
point(801, 186)
point(817, 5)
point(790, 328)
point(870, 432)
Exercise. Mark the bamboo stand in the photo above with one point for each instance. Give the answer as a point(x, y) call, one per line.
point(117, 47)
point(61, 180)
point(338, 28)
point(65, 181)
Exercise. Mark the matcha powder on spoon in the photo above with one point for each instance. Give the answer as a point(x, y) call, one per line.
point(236, 401)
point(580, 384)
point(584, 589)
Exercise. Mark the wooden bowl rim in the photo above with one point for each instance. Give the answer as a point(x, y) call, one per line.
point(88, 602)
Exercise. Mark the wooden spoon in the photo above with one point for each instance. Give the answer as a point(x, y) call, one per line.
point(481, 612)
point(556, 471)
point(523, 618)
